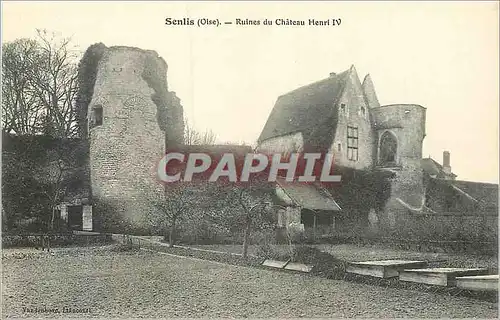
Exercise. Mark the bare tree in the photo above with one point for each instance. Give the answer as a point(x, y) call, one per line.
point(56, 84)
point(62, 174)
point(21, 111)
point(176, 202)
point(255, 201)
point(54, 193)
point(39, 85)
point(194, 137)
point(194, 203)
point(57, 189)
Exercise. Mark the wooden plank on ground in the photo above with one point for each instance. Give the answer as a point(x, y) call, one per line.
point(439, 276)
point(480, 283)
point(383, 268)
point(298, 267)
point(274, 263)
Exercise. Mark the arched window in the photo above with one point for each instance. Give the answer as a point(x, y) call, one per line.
point(363, 112)
point(388, 149)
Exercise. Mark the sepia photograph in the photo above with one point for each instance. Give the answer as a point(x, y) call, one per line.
point(237, 159)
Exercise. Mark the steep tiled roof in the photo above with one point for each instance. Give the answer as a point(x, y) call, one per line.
point(369, 91)
point(304, 108)
point(309, 196)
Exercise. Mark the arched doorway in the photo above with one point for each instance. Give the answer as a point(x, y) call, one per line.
point(388, 149)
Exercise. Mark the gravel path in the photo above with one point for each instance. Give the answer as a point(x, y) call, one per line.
point(143, 284)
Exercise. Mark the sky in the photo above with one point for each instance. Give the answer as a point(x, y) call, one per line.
point(441, 55)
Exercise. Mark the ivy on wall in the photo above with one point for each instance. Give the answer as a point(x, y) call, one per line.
point(359, 191)
point(169, 115)
point(87, 72)
point(160, 95)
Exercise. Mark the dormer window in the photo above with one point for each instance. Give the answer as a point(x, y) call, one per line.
point(363, 111)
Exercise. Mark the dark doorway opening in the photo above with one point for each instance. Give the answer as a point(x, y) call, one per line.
point(388, 149)
point(75, 217)
point(318, 222)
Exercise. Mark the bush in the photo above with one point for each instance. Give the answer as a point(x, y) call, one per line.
point(266, 241)
point(56, 240)
point(267, 251)
point(325, 264)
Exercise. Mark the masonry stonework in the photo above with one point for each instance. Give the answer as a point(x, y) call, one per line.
point(353, 112)
point(341, 102)
point(407, 123)
point(126, 139)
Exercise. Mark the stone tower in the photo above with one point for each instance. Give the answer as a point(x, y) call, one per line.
point(400, 131)
point(131, 117)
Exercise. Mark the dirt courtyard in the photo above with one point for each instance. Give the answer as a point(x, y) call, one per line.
point(98, 282)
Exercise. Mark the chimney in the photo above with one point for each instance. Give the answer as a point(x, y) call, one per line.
point(332, 74)
point(446, 162)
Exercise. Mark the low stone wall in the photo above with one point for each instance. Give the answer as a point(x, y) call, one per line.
point(479, 226)
point(475, 232)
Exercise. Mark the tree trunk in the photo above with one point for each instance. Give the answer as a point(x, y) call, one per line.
point(51, 227)
point(290, 246)
point(246, 236)
point(48, 243)
point(314, 226)
point(52, 218)
point(171, 236)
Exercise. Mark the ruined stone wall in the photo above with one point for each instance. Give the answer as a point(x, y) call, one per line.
point(175, 127)
point(130, 88)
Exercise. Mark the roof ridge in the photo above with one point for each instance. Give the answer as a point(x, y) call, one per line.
point(337, 76)
point(292, 113)
point(477, 182)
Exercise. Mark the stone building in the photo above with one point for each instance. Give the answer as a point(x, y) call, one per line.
point(131, 119)
point(343, 116)
point(127, 122)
